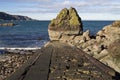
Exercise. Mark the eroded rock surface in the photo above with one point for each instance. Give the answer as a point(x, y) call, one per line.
point(67, 22)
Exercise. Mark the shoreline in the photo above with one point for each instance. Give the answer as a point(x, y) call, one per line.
point(13, 58)
point(28, 48)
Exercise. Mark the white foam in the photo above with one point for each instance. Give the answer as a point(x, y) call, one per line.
point(7, 48)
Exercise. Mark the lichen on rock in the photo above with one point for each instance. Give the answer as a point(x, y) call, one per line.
point(67, 22)
point(74, 19)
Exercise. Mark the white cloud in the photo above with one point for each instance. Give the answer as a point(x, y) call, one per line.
point(83, 6)
point(110, 7)
point(25, 0)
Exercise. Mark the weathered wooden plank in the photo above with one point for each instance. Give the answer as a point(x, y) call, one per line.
point(40, 70)
point(21, 71)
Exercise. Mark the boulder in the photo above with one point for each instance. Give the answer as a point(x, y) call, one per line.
point(86, 35)
point(8, 24)
point(109, 33)
point(108, 60)
point(79, 39)
point(114, 51)
point(116, 24)
point(109, 36)
point(102, 54)
point(67, 22)
point(97, 48)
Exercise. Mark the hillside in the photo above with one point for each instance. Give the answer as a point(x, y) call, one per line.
point(6, 16)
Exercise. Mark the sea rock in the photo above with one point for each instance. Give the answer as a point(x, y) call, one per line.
point(102, 54)
point(97, 48)
point(114, 51)
point(79, 39)
point(86, 35)
point(108, 60)
point(67, 22)
point(109, 33)
point(109, 37)
point(7, 24)
point(116, 24)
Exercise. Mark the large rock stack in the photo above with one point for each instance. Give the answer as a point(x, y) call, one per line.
point(67, 23)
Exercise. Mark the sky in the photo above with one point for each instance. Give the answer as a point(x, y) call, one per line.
point(48, 9)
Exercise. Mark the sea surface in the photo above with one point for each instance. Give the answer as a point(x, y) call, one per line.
point(34, 34)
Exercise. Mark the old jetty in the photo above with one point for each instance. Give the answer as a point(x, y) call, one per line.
point(60, 61)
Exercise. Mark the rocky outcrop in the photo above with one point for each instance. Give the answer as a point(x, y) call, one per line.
point(116, 24)
point(105, 47)
point(7, 24)
point(109, 33)
point(64, 28)
point(113, 58)
point(67, 22)
point(6, 16)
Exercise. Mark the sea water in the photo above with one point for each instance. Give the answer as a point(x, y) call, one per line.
point(34, 34)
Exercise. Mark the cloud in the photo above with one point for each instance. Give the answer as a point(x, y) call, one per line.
point(54, 6)
point(82, 6)
point(25, 1)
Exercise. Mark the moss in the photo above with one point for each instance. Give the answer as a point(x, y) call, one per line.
point(74, 21)
point(52, 23)
point(74, 18)
point(66, 20)
point(63, 14)
point(61, 17)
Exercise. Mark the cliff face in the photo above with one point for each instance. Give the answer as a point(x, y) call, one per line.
point(5, 16)
point(67, 22)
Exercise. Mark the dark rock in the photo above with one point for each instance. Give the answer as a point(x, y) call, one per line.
point(67, 22)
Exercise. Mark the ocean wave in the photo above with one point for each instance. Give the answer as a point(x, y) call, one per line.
point(14, 48)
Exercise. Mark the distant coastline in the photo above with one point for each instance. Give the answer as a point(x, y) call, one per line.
point(6, 16)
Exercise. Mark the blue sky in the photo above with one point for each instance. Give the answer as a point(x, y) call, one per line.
point(48, 9)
